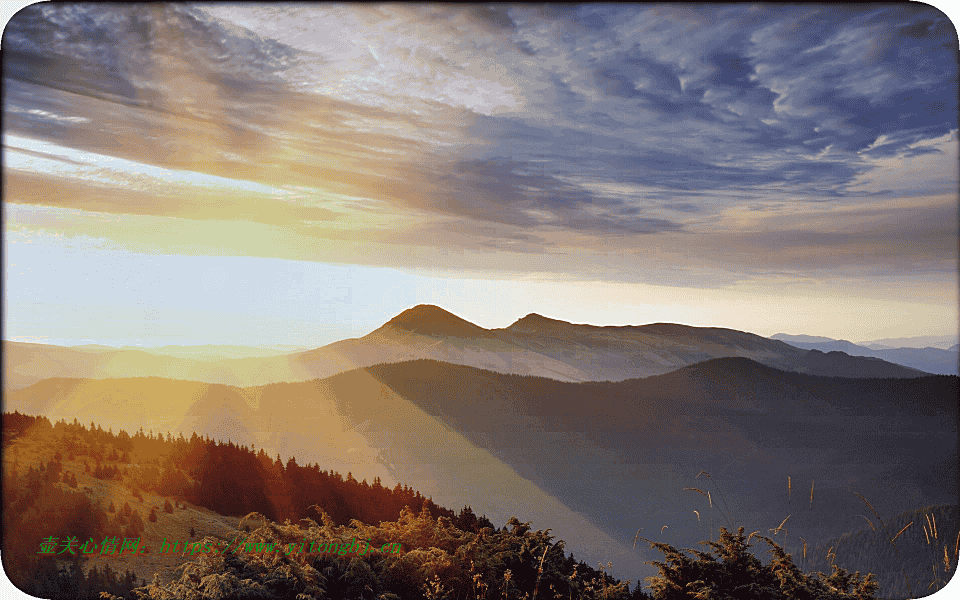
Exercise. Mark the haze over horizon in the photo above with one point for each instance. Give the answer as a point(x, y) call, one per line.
point(225, 174)
point(909, 342)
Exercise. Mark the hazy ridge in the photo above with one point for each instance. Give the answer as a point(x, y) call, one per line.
point(939, 361)
point(533, 345)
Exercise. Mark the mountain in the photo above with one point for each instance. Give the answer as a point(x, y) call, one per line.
point(930, 360)
point(533, 345)
point(25, 364)
point(596, 461)
point(433, 321)
point(944, 342)
point(218, 352)
point(749, 426)
point(809, 339)
point(541, 346)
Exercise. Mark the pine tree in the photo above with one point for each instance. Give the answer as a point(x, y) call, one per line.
point(136, 521)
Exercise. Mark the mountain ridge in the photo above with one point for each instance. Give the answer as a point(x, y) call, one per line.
point(644, 440)
point(532, 345)
point(929, 359)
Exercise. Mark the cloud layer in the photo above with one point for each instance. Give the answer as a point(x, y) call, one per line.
point(749, 140)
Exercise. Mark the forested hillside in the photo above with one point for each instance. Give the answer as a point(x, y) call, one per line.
point(431, 554)
point(42, 497)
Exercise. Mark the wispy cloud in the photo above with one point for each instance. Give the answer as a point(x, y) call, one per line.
point(510, 129)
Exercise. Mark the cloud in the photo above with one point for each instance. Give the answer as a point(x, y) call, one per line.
point(501, 128)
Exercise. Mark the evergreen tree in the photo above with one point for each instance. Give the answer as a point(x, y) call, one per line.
point(136, 521)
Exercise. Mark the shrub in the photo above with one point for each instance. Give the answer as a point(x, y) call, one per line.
point(735, 572)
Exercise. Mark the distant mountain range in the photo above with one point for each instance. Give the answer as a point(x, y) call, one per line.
point(25, 364)
point(944, 342)
point(929, 359)
point(533, 345)
point(595, 461)
point(200, 351)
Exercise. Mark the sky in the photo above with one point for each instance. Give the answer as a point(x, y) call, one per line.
point(300, 173)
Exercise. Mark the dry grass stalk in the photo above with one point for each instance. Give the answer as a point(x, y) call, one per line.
point(726, 515)
point(698, 516)
point(901, 531)
point(780, 526)
point(929, 524)
point(934, 517)
point(868, 521)
point(867, 502)
point(811, 494)
point(751, 535)
point(926, 534)
point(956, 547)
point(788, 491)
point(946, 559)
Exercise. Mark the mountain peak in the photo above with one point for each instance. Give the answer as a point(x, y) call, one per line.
point(534, 318)
point(427, 319)
point(535, 322)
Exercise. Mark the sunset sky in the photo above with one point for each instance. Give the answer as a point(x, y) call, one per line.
point(298, 174)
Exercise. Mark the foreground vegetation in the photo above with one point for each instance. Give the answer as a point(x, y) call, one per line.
point(731, 571)
point(438, 560)
point(444, 555)
point(913, 554)
point(449, 563)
